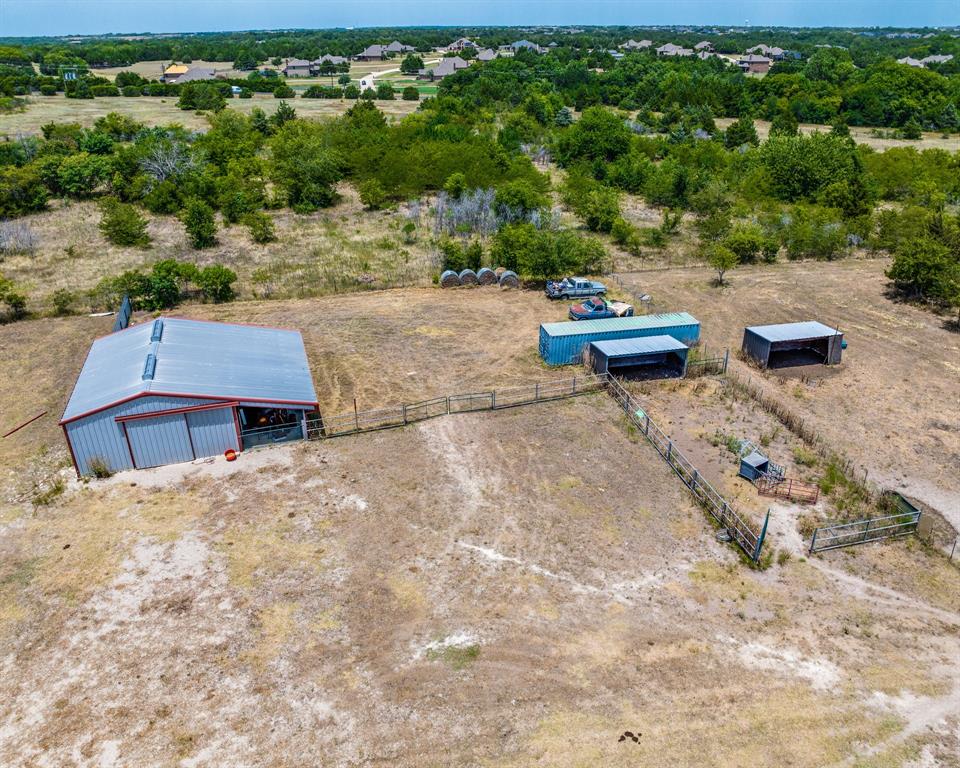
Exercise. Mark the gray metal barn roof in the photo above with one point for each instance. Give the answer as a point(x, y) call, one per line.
point(194, 358)
point(792, 331)
point(640, 346)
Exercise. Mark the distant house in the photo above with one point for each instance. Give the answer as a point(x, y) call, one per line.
point(397, 47)
point(196, 74)
point(328, 59)
point(704, 55)
point(754, 64)
point(297, 68)
point(171, 73)
point(372, 53)
point(633, 45)
point(912, 62)
point(459, 45)
point(669, 49)
point(521, 45)
point(774, 53)
point(703, 45)
point(443, 68)
point(486, 54)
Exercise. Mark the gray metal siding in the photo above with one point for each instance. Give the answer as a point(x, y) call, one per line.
point(100, 436)
point(756, 346)
point(158, 441)
point(212, 432)
point(567, 349)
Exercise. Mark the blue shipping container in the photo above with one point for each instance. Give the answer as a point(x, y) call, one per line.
point(564, 343)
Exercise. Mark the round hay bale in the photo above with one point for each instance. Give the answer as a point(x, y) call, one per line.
point(509, 279)
point(449, 279)
point(468, 277)
point(487, 277)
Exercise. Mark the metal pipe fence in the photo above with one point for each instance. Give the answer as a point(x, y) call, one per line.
point(864, 531)
point(741, 532)
point(495, 399)
point(749, 540)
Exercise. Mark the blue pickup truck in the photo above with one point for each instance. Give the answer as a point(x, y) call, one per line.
point(573, 288)
point(598, 308)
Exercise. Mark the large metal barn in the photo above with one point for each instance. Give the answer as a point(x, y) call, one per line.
point(175, 390)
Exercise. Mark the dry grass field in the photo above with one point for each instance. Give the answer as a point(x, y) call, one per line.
point(164, 111)
point(508, 589)
point(337, 249)
point(931, 140)
point(892, 405)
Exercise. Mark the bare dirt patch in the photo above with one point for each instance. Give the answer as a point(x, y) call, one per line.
point(507, 594)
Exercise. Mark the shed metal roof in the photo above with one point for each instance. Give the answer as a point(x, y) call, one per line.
point(810, 329)
point(639, 346)
point(194, 358)
point(579, 327)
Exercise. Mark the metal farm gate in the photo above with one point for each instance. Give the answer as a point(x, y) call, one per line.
point(904, 523)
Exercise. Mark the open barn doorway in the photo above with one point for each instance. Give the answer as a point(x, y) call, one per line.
point(268, 425)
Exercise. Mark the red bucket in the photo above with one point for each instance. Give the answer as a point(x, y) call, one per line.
point(230, 454)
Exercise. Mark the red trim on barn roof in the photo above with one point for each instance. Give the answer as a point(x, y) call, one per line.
point(225, 398)
point(174, 411)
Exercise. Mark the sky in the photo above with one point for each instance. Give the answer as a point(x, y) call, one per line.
point(84, 17)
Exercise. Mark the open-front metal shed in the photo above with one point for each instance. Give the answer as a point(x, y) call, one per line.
point(565, 343)
point(787, 344)
point(175, 390)
point(645, 357)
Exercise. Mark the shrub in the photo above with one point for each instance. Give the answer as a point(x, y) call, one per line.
point(16, 302)
point(746, 241)
point(99, 468)
point(198, 220)
point(261, 227)
point(385, 91)
point(21, 191)
point(601, 209)
point(122, 224)
point(81, 174)
point(48, 89)
point(410, 93)
point(804, 457)
point(283, 92)
point(739, 133)
point(216, 283)
point(63, 300)
point(351, 92)
point(372, 194)
point(131, 91)
point(455, 185)
point(201, 95)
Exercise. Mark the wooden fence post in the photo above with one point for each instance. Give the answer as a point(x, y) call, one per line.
point(536, 391)
point(404, 413)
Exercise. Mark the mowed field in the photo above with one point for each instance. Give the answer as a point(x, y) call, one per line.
point(164, 111)
point(892, 405)
point(508, 589)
